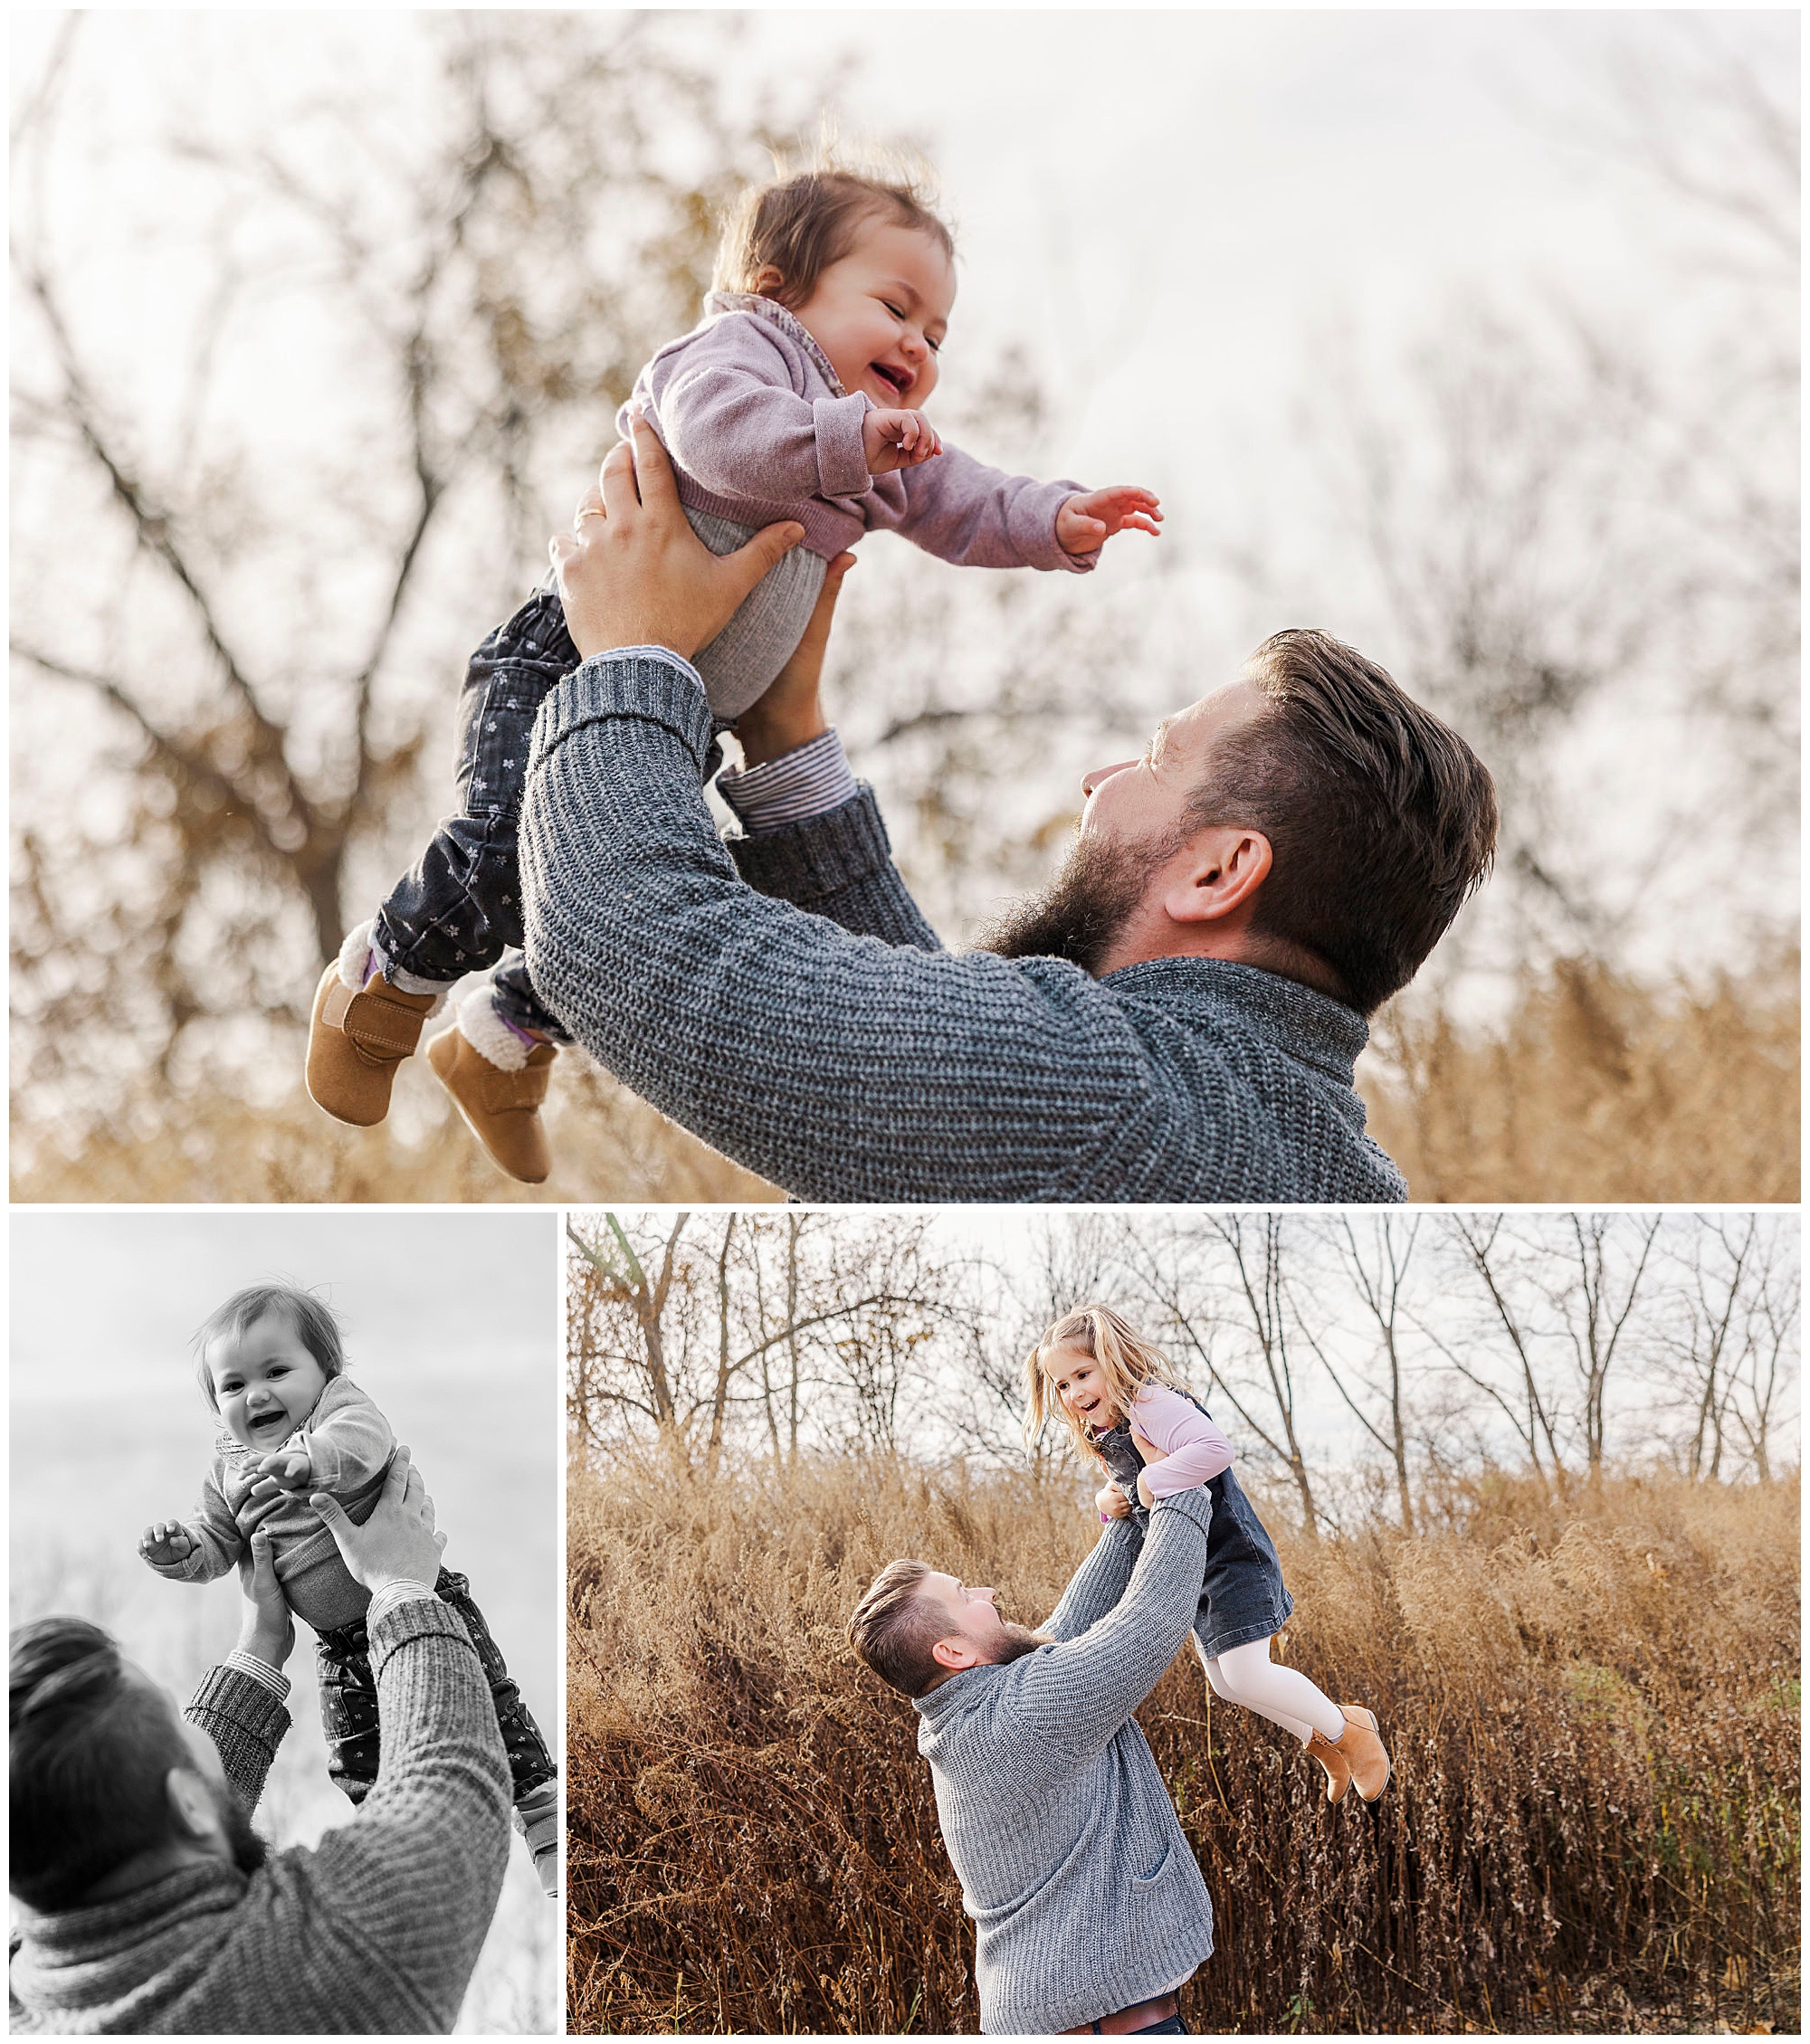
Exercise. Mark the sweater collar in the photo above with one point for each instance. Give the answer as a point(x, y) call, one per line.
point(962, 1688)
point(720, 302)
point(1313, 1027)
point(98, 1958)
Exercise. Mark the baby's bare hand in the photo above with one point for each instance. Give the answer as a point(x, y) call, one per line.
point(897, 440)
point(1111, 1502)
point(1087, 522)
point(164, 1543)
point(291, 1467)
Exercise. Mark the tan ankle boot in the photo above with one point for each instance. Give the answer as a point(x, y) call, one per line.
point(355, 1039)
point(1338, 1768)
point(502, 1109)
point(1362, 1752)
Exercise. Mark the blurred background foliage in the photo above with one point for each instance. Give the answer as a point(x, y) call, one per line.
point(314, 359)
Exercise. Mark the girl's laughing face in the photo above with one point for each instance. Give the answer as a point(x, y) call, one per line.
point(1081, 1385)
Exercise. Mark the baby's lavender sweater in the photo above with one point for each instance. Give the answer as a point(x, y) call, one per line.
point(760, 429)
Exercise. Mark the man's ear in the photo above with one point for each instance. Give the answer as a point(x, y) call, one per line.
point(955, 1653)
point(1222, 868)
point(191, 1804)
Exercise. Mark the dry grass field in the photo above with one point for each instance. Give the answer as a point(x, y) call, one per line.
point(1592, 1704)
point(1594, 1090)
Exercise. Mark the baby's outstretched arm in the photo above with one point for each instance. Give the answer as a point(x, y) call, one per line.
point(348, 1444)
point(1089, 521)
point(166, 1544)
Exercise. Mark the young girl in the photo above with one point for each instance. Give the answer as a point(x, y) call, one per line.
point(270, 1365)
point(798, 396)
point(1113, 1392)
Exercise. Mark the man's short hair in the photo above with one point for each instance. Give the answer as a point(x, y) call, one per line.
point(91, 1748)
point(1381, 819)
point(893, 1628)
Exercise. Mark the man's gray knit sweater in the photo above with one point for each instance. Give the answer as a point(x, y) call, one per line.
point(800, 1015)
point(1084, 1894)
point(376, 1931)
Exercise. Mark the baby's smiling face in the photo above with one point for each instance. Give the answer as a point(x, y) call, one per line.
point(881, 312)
point(265, 1382)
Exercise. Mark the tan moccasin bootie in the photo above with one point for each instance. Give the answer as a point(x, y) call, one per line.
point(1338, 1768)
point(357, 1036)
point(501, 1103)
point(1362, 1752)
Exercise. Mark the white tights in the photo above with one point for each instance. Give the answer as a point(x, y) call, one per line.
point(1247, 1675)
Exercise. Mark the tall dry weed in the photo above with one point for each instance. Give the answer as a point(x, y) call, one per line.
point(607, 1144)
point(1591, 1705)
point(1598, 1089)
point(1594, 1089)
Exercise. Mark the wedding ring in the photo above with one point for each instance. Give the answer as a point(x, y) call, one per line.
point(590, 511)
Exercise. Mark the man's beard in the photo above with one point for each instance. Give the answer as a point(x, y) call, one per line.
point(1080, 913)
point(1015, 1642)
point(249, 1851)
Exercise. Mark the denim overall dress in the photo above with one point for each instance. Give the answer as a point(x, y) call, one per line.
point(1243, 1597)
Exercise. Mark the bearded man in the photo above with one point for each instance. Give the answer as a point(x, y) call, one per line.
point(1089, 1909)
point(150, 1902)
point(1176, 1019)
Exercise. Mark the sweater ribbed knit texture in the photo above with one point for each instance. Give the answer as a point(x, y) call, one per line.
point(1084, 1894)
point(783, 998)
point(376, 1931)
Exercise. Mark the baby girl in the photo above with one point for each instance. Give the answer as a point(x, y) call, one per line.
point(270, 1363)
point(800, 396)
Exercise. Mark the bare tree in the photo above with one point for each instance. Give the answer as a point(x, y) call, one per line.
point(1594, 1300)
point(681, 1323)
point(1374, 1257)
point(1729, 1335)
point(1221, 1283)
point(1551, 521)
point(1528, 1404)
point(282, 643)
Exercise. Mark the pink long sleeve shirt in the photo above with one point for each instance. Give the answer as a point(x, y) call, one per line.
point(1193, 1450)
point(760, 429)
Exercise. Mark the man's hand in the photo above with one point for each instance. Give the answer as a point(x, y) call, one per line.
point(1089, 521)
point(1145, 1496)
point(397, 1543)
point(164, 1543)
point(266, 1630)
point(635, 574)
point(1111, 1502)
point(897, 440)
point(289, 1468)
point(790, 714)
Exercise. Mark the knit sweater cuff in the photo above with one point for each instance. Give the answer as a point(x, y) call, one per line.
point(244, 1701)
point(412, 1619)
point(1197, 1504)
point(813, 861)
point(647, 683)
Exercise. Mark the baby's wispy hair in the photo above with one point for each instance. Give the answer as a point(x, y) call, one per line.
point(806, 216)
point(309, 1315)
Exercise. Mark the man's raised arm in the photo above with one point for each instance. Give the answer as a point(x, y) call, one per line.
point(1080, 1692)
point(841, 1067)
point(1098, 1585)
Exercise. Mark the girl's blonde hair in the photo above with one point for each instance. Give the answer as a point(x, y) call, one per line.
point(805, 218)
point(1126, 1360)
